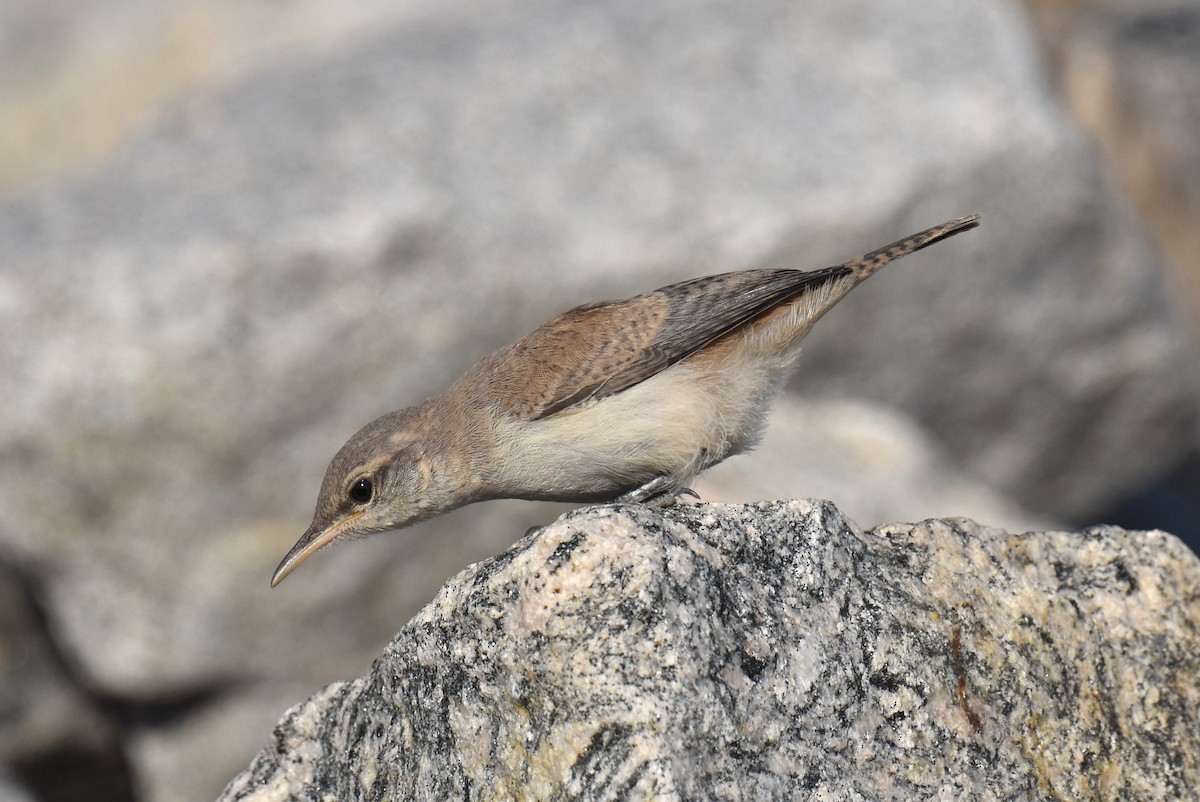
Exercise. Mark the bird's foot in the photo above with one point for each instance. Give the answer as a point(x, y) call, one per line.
point(661, 491)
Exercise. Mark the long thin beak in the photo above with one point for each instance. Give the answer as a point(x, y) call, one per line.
point(309, 544)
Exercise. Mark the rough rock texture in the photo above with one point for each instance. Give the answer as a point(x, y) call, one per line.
point(183, 758)
point(773, 652)
point(188, 333)
point(248, 285)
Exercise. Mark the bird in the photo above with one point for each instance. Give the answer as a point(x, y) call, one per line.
point(616, 401)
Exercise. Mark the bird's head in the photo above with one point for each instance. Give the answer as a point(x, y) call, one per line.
point(381, 479)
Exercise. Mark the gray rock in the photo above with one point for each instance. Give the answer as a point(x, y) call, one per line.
point(43, 710)
point(12, 791)
point(1130, 72)
point(874, 462)
point(192, 757)
point(767, 652)
point(188, 333)
point(107, 67)
point(249, 284)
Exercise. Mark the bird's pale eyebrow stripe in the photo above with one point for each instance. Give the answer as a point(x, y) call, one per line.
point(368, 469)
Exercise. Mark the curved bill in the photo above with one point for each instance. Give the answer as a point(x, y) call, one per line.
point(309, 544)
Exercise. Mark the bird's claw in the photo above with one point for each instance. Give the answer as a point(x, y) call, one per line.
point(661, 491)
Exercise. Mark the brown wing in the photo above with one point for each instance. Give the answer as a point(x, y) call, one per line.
point(695, 313)
point(600, 349)
point(597, 350)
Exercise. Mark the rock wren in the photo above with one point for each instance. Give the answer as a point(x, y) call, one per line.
point(620, 400)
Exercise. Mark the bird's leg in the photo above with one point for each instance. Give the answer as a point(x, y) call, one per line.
point(661, 491)
point(666, 489)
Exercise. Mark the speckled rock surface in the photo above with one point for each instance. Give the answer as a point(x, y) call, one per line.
point(771, 652)
point(190, 331)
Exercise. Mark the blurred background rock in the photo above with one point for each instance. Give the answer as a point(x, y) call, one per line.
point(232, 232)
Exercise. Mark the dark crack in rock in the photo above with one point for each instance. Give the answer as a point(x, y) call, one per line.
point(768, 652)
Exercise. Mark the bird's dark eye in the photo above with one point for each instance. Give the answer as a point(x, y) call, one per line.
point(361, 491)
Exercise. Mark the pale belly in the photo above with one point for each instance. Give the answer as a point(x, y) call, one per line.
point(672, 424)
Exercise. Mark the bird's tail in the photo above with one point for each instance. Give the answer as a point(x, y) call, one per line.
point(864, 266)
